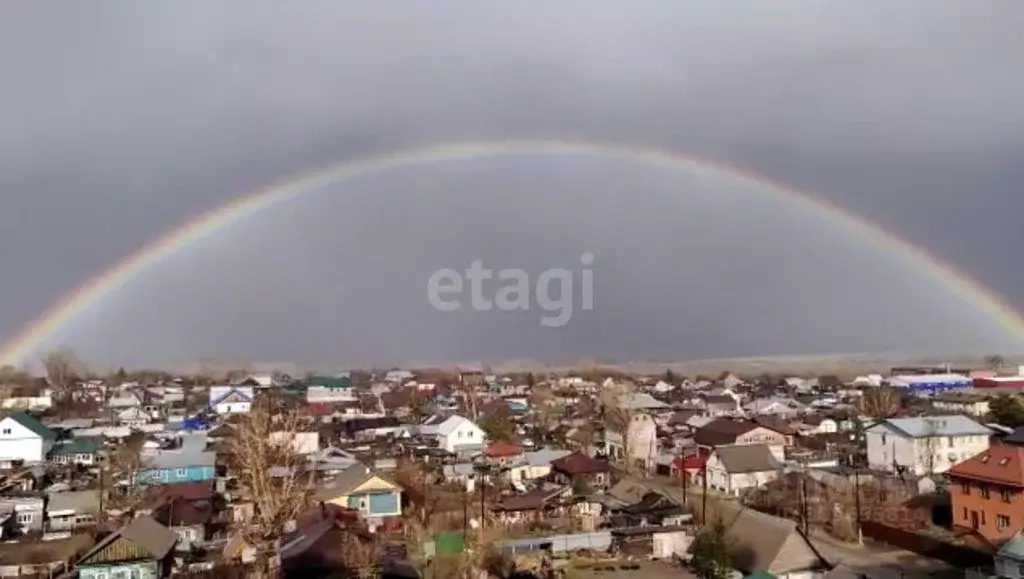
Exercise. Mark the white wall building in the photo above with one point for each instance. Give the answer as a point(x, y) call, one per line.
point(924, 445)
point(231, 399)
point(455, 432)
point(24, 438)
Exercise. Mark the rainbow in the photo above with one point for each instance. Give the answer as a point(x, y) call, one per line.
point(32, 337)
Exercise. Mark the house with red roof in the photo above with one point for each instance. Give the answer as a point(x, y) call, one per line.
point(987, 492)
point(503, 452)
point(578, 469)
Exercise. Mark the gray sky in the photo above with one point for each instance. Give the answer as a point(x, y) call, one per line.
point(122, 120)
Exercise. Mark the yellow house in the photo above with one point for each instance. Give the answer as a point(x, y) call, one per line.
point(361, 489)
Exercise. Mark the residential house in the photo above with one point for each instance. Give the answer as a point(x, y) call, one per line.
point(534, 505)
point(639, 441)
point(231, 399)
point(503, 453)
point(456, 432)
point(186, 519)
point(582, 473)
point(329, 390)
point(141, 549)
point(813, 424)
point(961, 402)
point(772, 546)
point(377, 498)
point(535, 465)
point(721, 405)
point(398, 376)
point(924, 444)
point(133, 417)
point(1009, 559)
point(23, 438)
point(72, 510)
point(987, 492)
point(188, 462)
point(22, 514)
point(728, 432)
point(49, 558)
point(775, 405)
point(84, 451)
point(124, 401)
point(737, 468)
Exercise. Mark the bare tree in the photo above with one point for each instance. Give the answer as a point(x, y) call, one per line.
point(63, 369)
point(995, 361)
point(618, 415)
point(542, 401)
point(361, 555)
point(880, 402)
point(261, 455)
point(121, 491)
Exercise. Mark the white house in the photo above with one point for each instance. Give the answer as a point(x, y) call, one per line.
point(962, 402)
point(925, 444)
point(641, 442)
point(231, 399)
point(24, 438)
point(735, 468)
point(456, 432)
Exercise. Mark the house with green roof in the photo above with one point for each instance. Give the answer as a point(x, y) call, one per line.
point(23, 438)
point(84, 451)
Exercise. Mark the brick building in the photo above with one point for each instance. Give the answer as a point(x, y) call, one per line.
point(987, 492)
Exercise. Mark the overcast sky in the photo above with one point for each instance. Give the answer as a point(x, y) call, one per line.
point(121, 120)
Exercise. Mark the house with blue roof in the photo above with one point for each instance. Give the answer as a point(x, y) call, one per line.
point(190, 462)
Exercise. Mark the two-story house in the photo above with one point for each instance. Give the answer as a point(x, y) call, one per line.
point(23, 438)
point(187, 463)
point(924, 444)
point(360, 488)
point(728, 432)
point(987, 492)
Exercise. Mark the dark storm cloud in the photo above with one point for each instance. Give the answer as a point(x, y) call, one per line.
point(122, 119)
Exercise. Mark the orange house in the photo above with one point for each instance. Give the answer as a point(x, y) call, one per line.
point(987, 492)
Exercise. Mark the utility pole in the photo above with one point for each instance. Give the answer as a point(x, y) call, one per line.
point(803, 501)
point(704, 498)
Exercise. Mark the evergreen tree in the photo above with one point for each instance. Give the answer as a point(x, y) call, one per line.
point(711, 551)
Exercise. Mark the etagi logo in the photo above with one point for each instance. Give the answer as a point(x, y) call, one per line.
point(514, 290)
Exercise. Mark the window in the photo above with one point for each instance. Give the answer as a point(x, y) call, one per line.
point(1006, 495)
point(983, 517)
point(7, 431)
point(883, 440)
point(25, 518)
point(984, 492)
point(965, 487)
point(965, 513)
point(157, 474)
point(1002, 521)
point(949, 441)
point(182, 472)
